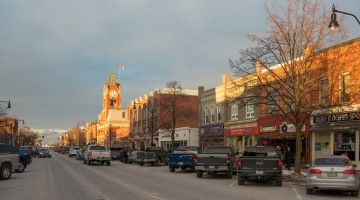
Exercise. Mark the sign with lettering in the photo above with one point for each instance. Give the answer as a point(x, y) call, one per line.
point(214, 130)
point(268, 128)
point(241, 131)
point(340, 117)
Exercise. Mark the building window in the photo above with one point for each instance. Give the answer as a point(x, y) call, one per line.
point(250, 109)
point(218, 113)
point(213, 114)
point(324, 91)
point(206, 116)
point(272, 107)
point(344, 88)
point(344, 143)
point(123, 114)
point(234, 111)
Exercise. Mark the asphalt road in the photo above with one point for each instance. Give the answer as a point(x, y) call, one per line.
point(64, 178)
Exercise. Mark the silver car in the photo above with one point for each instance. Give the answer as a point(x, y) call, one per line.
point(332, 173)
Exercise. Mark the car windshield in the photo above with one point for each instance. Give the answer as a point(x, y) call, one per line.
point(76, 148)
point(331, 162)
point(98, 148)
point(44, 150)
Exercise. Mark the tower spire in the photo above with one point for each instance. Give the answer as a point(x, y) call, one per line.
point(112, 80)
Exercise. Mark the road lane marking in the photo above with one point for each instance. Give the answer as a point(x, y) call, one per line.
point(298, 196)
point(153, 195)
point(232, 184)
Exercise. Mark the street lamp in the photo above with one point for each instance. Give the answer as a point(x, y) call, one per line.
point(151, 110)
point(8, 102)
point(334, 25)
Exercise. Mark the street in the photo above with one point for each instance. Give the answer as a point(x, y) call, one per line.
point(63, 178)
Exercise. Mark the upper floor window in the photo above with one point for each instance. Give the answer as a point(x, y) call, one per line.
point(250, 108)
point(344, 88)
point(213, 114)
point(206, 114)
point(324, 91)
point(234, 111)
point(272, 107)
point(123, 114)
point(219, 113)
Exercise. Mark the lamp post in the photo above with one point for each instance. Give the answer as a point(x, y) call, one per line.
point(152, 111)
point(334, 25)
point(8, 103)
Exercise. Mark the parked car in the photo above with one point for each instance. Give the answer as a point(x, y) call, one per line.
point(9, 161)
point(153, 155)
point(30, 148)
point(260, 163)
point(116, 152)
point(25, 158)
point(133, 157)
point(80, 154)
point(44, 153)
point(97, 153)
point(214, 160)
point(64, 149)
point(73, 151)
point(332, 173)
point(182, 158)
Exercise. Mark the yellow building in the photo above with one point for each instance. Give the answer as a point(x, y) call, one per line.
point(113, 124)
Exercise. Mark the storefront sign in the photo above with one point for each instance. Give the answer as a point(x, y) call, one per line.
point(241, 131)
point(268, 128)
point(214, 130)
point(352, 116)
point(289, 128)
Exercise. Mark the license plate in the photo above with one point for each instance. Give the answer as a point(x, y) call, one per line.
point(259, 172)
point(211, 167)
point(181, 163)
point(332, 174)
point(146, 160)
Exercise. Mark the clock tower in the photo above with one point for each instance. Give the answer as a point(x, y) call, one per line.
point(112, 121)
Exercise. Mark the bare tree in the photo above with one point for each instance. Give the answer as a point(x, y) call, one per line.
point(289, 61)
point(25, 136)
point(176, 110)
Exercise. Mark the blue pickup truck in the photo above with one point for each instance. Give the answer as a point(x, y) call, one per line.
point(182, 158)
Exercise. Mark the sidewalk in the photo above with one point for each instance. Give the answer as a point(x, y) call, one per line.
point(290, 176)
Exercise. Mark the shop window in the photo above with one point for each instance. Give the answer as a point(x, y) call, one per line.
point(234, 111)
point(250, 109)
point(344, 144)
point(324, 91)
point(344, 88)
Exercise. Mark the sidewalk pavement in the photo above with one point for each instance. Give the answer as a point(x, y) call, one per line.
point(291, 171)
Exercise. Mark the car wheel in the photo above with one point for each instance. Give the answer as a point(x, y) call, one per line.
point(5, 171)
point(310, 191)
point(129, 162)
point(183, 168)
point(141, 163)
point(241, 181)
point(172, 169)
point(84, 161)
point(355, 193)
point(108, 163)
point(21, 168)
point(199, 174)
point(152, 163)
point(88, 162)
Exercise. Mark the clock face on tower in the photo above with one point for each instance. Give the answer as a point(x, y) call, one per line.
point(113, 94)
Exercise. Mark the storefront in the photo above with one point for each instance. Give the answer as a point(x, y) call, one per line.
point(212, 134)
point(183, 137)
point(241, 136)
point(278, 131)
point(336, 134)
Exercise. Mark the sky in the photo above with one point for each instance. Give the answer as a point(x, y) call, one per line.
point(55, 56)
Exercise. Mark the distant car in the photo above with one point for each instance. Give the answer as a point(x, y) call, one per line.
point(30, 148)
point(153, 155)
point(332, 173)
point(133, 157)
point(73, 151)
point(97, 153)
point(44, 153)
point(116, 152)
point(80, 154)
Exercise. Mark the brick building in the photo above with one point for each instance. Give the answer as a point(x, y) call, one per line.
point(150, 119)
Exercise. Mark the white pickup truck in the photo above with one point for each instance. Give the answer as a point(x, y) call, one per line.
point(97, 153)
point(8, 163)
